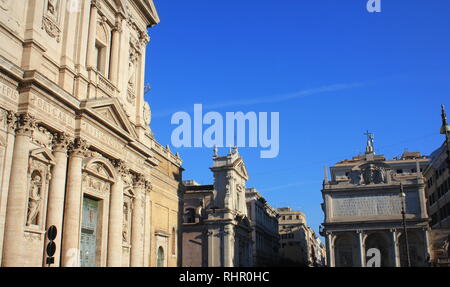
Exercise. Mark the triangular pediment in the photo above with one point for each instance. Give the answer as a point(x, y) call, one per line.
point(239, 166)
point(110, 111)
point(44, 155)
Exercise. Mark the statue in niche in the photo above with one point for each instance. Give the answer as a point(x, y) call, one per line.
point(125, 223)
point(34, 200)
point(52, 8)
point(132, 69)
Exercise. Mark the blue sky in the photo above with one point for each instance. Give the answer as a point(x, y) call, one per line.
point(386, 72)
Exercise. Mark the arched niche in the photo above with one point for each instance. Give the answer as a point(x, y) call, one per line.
point(346, 249)
point(382, 242)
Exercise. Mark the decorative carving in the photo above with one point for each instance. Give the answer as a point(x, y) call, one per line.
point(43, 137)
point(125, 223)
point(11, 120)
point(52, 7)
point(139, 181)
point(4, 4)
point(26, 124)
point(95, 184)
point(373, 174)
point(51, 18)
point(61, 141)
point(118, 26)
point(147, 114)
point(34, 199)
point(78, 147)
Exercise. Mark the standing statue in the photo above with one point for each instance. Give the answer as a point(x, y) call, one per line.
point(34, 200)
point(370, 147)
point(125, 223)
point(51, 7)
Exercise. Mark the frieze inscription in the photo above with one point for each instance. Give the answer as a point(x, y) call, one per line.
point(370, 205)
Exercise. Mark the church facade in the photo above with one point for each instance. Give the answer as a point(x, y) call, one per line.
point(216, 227)
point(363, 205)
point(76, 148)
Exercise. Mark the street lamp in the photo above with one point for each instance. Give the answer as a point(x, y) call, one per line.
point(403, 198)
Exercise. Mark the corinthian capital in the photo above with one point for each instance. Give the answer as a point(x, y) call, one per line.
point(11, 120)
point(139, 181)
point(78, 147)
point(61, 141)
point(25, 124)
point(121, 168)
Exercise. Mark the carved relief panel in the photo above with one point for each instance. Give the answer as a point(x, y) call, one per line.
point(51, 18)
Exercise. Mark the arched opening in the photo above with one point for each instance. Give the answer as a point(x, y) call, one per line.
point(160, 257)
point(416, 250)
point(346, 251)
point(380, 242)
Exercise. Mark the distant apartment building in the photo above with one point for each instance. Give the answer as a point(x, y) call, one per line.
point(438, 181)
point(437, 190)
point(298, 242)
point(264, 223)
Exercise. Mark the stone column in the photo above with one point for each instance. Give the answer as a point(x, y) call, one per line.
point(228, 246)
point(115, 55)
point(330, 249)
point(73, 206)
point(395, 248)
point(16, 210)
point(90, 59)
point(362, 261)
point(116, 218)
point(55, 206)
point(211, 247)
point(4, 187)
point(137, 222)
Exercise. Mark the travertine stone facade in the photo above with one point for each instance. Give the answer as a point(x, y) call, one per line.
point(264, 223)
point(76, 148)
point(216, 228)
point(363, 210)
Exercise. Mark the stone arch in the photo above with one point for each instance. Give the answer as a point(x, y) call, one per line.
point(416, 249)
point(345, 247)
point(108, 171)
point(381, 241)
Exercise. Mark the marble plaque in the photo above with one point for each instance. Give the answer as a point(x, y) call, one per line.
point(374, 204)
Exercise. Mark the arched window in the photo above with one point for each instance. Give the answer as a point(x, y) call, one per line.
point(174, 241)
point(160, 258)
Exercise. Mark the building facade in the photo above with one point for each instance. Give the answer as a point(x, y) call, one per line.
point(438, 193)
point(76, 148)
point(264, 223)
point(363, 205)
point(438, 181)
point(299, 244)
point(216, 228)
